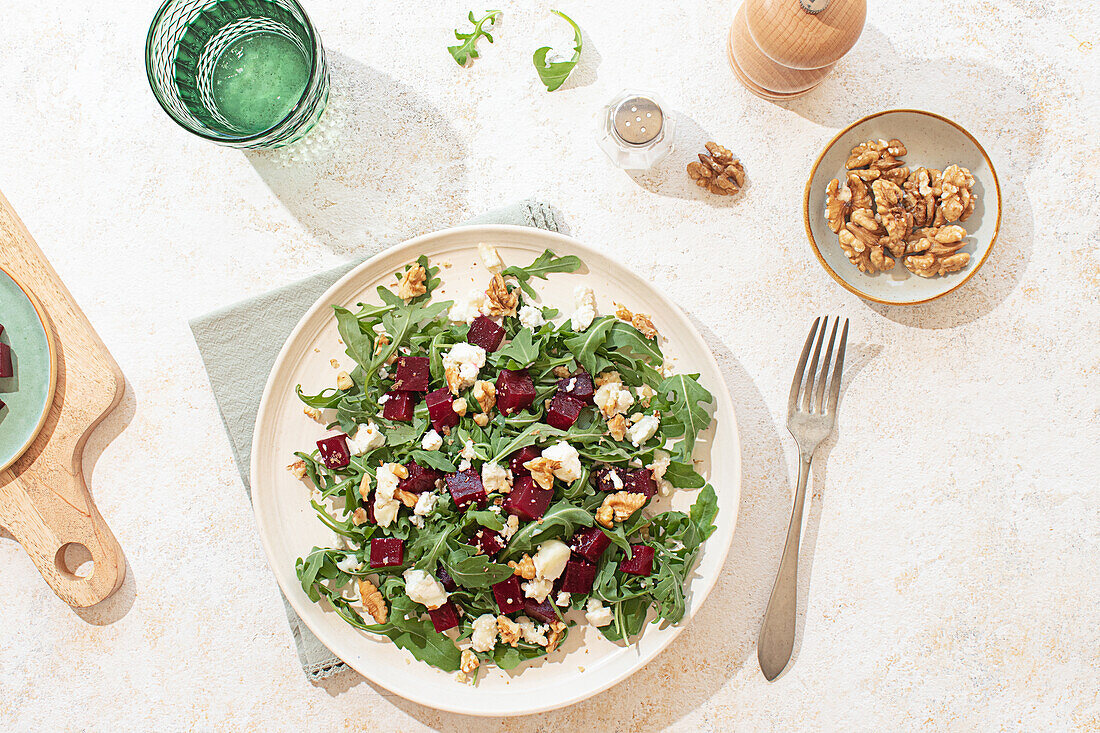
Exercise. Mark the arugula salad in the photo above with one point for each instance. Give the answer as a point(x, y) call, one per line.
point(488, 468)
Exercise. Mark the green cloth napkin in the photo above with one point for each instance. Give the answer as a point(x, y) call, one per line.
point(239, 344)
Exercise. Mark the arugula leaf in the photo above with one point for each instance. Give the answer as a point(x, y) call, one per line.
point(467, 50)
point(521, 350)
point(420, 638)
point(554, 73)
point(509, 657)
point(703, 512)
point(359, 346)
point(561, 519)
point(544, 264)
point(684, 476)
point(684, 415)
point(475, 571)
point(433, 459)
point(629, 619)
point(583, 346)
point(625, 336)
point(329, 397)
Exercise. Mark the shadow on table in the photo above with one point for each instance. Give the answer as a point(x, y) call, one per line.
point(382, 164)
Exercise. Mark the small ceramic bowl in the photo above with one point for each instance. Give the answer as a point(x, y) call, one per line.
point(932, 141)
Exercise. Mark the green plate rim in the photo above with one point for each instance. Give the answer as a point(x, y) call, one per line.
point(51, 343)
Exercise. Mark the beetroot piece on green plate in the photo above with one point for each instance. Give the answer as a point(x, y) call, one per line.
point(540, 610)
point(445, 578)
point(489, 541)
point(441, 409)
point(412, 374)
point(466, 487)
point(527, 499)
point(578, 577)
point(334, 451)
point(520, 457)
point(399, 406)
point(515, 390)
point(508, 595)
point(5, 360)
point(445, 617)
point(485, 333)
point(564, 411)
point(579, 386)
point(640, 482)
point(589, 543)
point(421, 478)
point(386, 552)
point(640, 561)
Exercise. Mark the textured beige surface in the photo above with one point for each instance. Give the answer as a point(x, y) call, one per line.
point(954, 530)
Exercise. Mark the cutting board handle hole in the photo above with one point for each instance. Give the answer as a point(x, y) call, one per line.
point(75, 561)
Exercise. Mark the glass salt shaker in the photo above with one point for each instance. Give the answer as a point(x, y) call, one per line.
point(635, 131)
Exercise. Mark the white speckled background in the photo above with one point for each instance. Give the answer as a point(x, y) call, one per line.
point(950, 565)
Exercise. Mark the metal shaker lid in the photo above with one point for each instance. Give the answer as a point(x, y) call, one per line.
point(637, 120)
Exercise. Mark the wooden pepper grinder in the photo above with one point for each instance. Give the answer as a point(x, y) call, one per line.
point(781, 49)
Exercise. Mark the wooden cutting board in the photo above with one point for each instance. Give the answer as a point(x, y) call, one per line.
point(44, 501)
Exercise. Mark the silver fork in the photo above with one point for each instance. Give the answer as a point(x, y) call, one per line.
point(810, 419)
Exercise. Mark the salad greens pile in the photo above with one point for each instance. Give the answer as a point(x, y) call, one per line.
point(443, 543)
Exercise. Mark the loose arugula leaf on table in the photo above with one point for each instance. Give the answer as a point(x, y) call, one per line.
point(554, 73)
point(545, 264)
point(467, 50)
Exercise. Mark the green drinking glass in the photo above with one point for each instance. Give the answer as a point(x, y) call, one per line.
point(243, 73)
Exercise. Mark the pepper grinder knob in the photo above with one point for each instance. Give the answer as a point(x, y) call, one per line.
point(781, 49)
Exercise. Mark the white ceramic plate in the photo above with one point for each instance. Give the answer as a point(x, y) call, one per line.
point(933, 142)
point(289, 529)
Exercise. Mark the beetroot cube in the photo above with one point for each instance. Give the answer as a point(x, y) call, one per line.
point(445, 617)
point(421, 478)
point(334, 451)
point(386, 552)
point(520, 457)
point(445, 578)
point(579, 575)
point(564, 411)
point(589, 543)
point(485, 333)
point(466, 487)
point(5, 361)
point(399, 406)
point(640, 482)
point(528, 500)
point(579, 386)
point(515, 390)
point(441, 409)
point(609, 478)
point(412, 374)
point(489, 541)
point(508, 595)
point(369, 501)
point(540, 611)
point(640, 561)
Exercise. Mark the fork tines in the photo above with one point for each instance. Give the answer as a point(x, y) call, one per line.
point(807, 395)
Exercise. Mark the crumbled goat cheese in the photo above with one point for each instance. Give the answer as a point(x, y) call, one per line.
point(349, 564)
point(598, 614)
point(550, 559)
point(538, 588)
point(495, 478)
point(466, 310)
point(468, 451)
point(384, 398)
point(510, 527)
point(385, 506)
point(585, 301)
point(661, 461)
point(531, 317)
point(367, 438)
point(425, 503)
point(383, 373)
point(643, 430)
point(616, 479)
point(567, 456)
point(464, 464)
point(423, 588)
point(465, 360)
point(490, 257)
point(484, 637)
point(613, 399)
point(563, 599)
point(431, 441)
point(533, 633)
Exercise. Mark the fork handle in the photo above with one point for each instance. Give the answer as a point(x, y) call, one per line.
point(776, 640)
